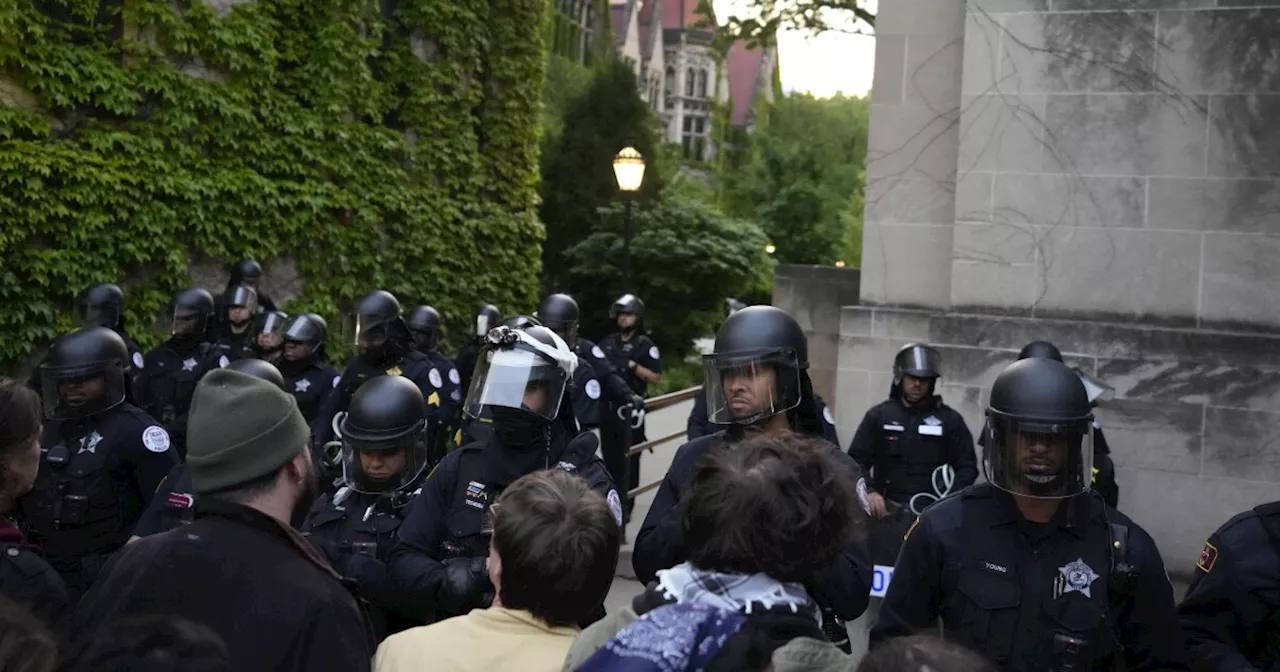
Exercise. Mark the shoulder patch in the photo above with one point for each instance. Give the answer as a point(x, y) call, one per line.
point(223, 362)
point(434, 377)
point(336, 380)
point(155, 439)
point(653, 351)
point(826, 415)
point(615, 506)
point(911, 529)
point(597, 352)
point(1208, 557)
point(454, 377)
point(138, 362)
point(592, 388)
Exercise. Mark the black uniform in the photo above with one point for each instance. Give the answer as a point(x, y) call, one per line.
point(236, 346)
point(898, 447)
point(414, 365)
point(1231, 614)
point(699, 425)
point(27, 579)
point(169, 380)
point(1010, 588)
point(311, 386)
point(173, 504)
point(447, 524)
point(97, 474)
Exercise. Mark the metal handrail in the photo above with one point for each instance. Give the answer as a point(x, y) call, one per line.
point(657, 404)
point(670, 398)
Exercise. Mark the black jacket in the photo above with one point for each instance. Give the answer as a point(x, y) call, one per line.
point(27, 579)
point(898, 447)
point(272, 597)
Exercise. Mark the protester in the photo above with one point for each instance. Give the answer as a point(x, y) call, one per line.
point(153, 644)
point(26, 645)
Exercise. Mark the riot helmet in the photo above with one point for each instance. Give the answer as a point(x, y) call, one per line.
point(306, 329)
point(918, 361)
point(259, 369)
point(1043, 349)
point(487, 317)
point(520, 322)
point(627, 304)
point(268, 331)
point(101, 305)
point(191, 313)
point(754, 370)
point(559, 313)
point(247, 272)
point(242, 304)
point(384, 436)
point(84, 373)
point(526, 370)
point(375, 322)
point(1039, 439)
point(424, 325)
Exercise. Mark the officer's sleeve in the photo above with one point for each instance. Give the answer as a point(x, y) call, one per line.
point(322, 428)
point(149, 454)
point(863, 447)
point(1220, 611)
point(960, 453)
point(845, 586)
point(699, 424)
point(152, 517)
point(142, 388)
point(648, 357)
point(608, 375)
point(660, 542)
point(413, 561)
point(982, 436)
point(828, 423)
point(1149, 617)
point(914, 597)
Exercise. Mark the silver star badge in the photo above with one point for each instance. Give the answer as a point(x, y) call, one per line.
point(189, 364)
point(1078, 576)
point(302, 385)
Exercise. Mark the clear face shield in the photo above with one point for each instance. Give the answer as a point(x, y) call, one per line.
point(269, 330)
point(519, 379)
point(98, 315)
point(375, 467)
point(1044, 459)
point(188, 321)
point(746, 386)
point(367, 332)
point(77, 392)
point(483, 325)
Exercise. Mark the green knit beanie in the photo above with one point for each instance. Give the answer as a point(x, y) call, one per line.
point(241, 428)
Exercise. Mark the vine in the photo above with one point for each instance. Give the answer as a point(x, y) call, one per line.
point(378, 144)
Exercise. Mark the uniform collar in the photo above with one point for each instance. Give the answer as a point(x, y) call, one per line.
point(1072, 515)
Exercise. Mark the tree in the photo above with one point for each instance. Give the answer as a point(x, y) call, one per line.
point(688, 258)
point(800, 174)
point(760, 20)
point(577, 174)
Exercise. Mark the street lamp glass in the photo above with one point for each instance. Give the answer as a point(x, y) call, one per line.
point(770, 249)
point(628, 169)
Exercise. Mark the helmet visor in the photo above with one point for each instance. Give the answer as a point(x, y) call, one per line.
point(483, 324)
point(269, 329)
point(303, 330)
point(384, 465)
point(1045, 459)
point(98, 315)
point(243, 297)
point(365, 331)
point(518, 379)
point(747, 386)
point(188, 321)
point(918, 362)
point(81, 391)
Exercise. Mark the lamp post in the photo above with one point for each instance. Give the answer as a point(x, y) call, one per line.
point(628, 170)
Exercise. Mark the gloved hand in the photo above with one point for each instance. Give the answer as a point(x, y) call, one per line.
point(464, 586)
point(637, 403)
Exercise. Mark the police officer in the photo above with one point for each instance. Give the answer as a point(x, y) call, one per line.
point(755, 380)
point(904, 441)
point(384, 456)
point(635, 355)
point(245, 273)
point(268, 336)
point(1231, 613)
point(175, 499)
point(444, 541)
point(598, 390)
point(486, 317)
point(307, 376)
point(102, 305)
point(101, 457)
point(236, 340)
point(174, 367)
point(386, 348)
point(424, 324)
point(1032, 568)
point(1104, 469)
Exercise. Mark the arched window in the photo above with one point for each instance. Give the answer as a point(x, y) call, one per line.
point(702, 83)
point(688, 82)
point(671, 80)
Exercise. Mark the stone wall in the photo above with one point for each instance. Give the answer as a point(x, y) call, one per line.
point(1102, 174)
point(814, 295)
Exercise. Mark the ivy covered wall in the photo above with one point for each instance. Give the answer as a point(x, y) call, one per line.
point(372, 143)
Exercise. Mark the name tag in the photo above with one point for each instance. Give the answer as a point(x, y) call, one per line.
point(931, 430)
point(880, 580)
point(893, 428)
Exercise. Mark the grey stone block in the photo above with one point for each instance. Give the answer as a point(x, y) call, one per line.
point(1244, 205)
point(1154, 435)
point(976, 367)
point(906, 264)
point(890, 73)
point(998, 245)
point(900, 325)
point(909, 200)
point(933, 70)
point(1005, 288)
point(1244, 140)
point(861, 353)
point(1078, 52)
point(1242, 444)
point(1241, 276)
point(1121, 5)
point(982, 35)
point(1004, 6)
point(851, 390)
point(913, 141)
point(1126, 134)
point(921, 17)
point(1220, 51)
point(966, 400)
point(1000, 132)
point(856, 321)
point(1083, 269)
point(1070, 200)
point(973, 197)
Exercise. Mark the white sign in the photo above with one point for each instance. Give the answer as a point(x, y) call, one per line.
point(880, 580)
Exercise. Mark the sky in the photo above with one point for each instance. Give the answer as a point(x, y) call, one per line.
point(822, 65)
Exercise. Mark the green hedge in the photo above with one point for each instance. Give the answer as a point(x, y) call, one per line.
point(379, 144)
